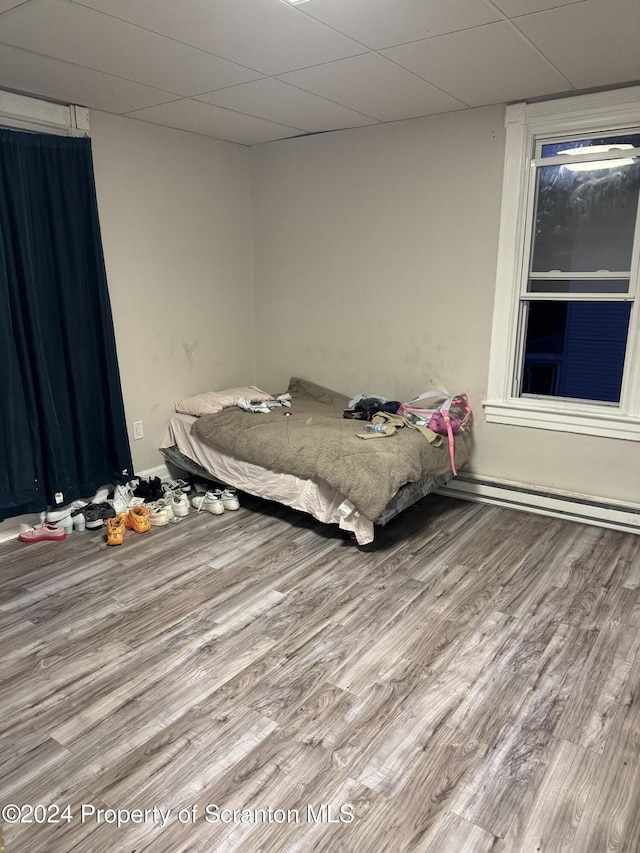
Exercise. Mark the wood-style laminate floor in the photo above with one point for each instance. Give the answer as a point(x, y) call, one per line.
point(473, 685)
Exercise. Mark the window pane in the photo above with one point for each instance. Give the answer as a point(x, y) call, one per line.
point(585, 221)
point(576, 349)
point(584, 285)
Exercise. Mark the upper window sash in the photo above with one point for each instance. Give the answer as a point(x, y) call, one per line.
point(571, 160)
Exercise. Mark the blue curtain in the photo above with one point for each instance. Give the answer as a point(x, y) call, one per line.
point(62, 424)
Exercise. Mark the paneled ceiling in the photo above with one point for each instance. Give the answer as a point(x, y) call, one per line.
point(251, 71)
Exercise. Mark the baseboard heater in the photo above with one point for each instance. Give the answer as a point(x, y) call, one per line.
point(571, 507)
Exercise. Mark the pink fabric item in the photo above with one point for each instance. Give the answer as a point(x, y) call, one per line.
point(48, 532)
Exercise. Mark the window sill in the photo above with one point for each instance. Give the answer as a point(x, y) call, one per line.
point(581, 419)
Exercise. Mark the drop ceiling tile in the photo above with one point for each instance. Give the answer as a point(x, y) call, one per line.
point(374, 86)
point(513, 8)
point(382, 23)
point(33, 74)
point(280, 102)
point(198, 117)
point(265, 35)
point(486, 65)
point(64, 30)
point(604, 43)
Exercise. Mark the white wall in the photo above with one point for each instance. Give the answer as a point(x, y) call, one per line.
point(175, 219)
point(374, 270)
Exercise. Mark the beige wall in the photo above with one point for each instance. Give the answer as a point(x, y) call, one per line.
point(374, 270)
point(175, 219)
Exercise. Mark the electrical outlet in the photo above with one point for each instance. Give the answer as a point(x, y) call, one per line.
point(138, 431)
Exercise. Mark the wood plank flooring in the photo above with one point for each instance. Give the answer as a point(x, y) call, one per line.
point(471, 685)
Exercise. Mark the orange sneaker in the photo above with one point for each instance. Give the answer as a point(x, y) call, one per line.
point(115, 530)
point(138, 519)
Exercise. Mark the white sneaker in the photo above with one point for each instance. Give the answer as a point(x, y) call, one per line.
point(58, 514)
point(230, 499)
point(179, 504)
point(179, 486)
point(123, 498)
point(160, 513)
point(211, 502)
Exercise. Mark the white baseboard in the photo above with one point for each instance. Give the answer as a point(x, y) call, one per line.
point(566, 505)
point(159, 471)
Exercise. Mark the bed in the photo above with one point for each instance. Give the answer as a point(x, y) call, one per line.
point(309, 457)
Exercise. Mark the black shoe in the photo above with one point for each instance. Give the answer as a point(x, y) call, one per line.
point(106, 510)
point(143, 490)
point(96, 514)
point(155, 486)
point(92, 516)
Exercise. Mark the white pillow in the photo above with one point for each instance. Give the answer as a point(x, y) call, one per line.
point(215, 401)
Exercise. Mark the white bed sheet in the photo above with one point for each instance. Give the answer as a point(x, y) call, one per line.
point(314, 497)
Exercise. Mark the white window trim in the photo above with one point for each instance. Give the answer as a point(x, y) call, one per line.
point(596, 113)
point(18, 112)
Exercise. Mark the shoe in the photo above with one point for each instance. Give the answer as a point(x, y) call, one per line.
point(167, 491)
point(92, 517)
point(178, 486)
point(143, 490)
point(179, 504)
point(138, 519)
point(66, 524)
point(155, 486)
point(211, 502)
point(96, 514)
point(123, 498)
point(230, 499)
point(115, 530)
point(64, 511)
point(48, 532)
point(79, 521)
point(160, 513)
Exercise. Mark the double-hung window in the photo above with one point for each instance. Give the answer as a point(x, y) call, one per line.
point(566, 332)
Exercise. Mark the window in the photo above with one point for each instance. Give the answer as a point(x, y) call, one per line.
point(566, 338)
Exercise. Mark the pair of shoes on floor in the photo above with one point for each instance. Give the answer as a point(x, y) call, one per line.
point(136, 518)
point(149, 490)
point(95, 515)
point(47, 533)
point(216, 501)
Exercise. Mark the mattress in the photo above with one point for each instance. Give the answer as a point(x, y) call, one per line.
point(311, 496)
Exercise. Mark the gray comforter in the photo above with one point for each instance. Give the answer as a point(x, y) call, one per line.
point(315, 442)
